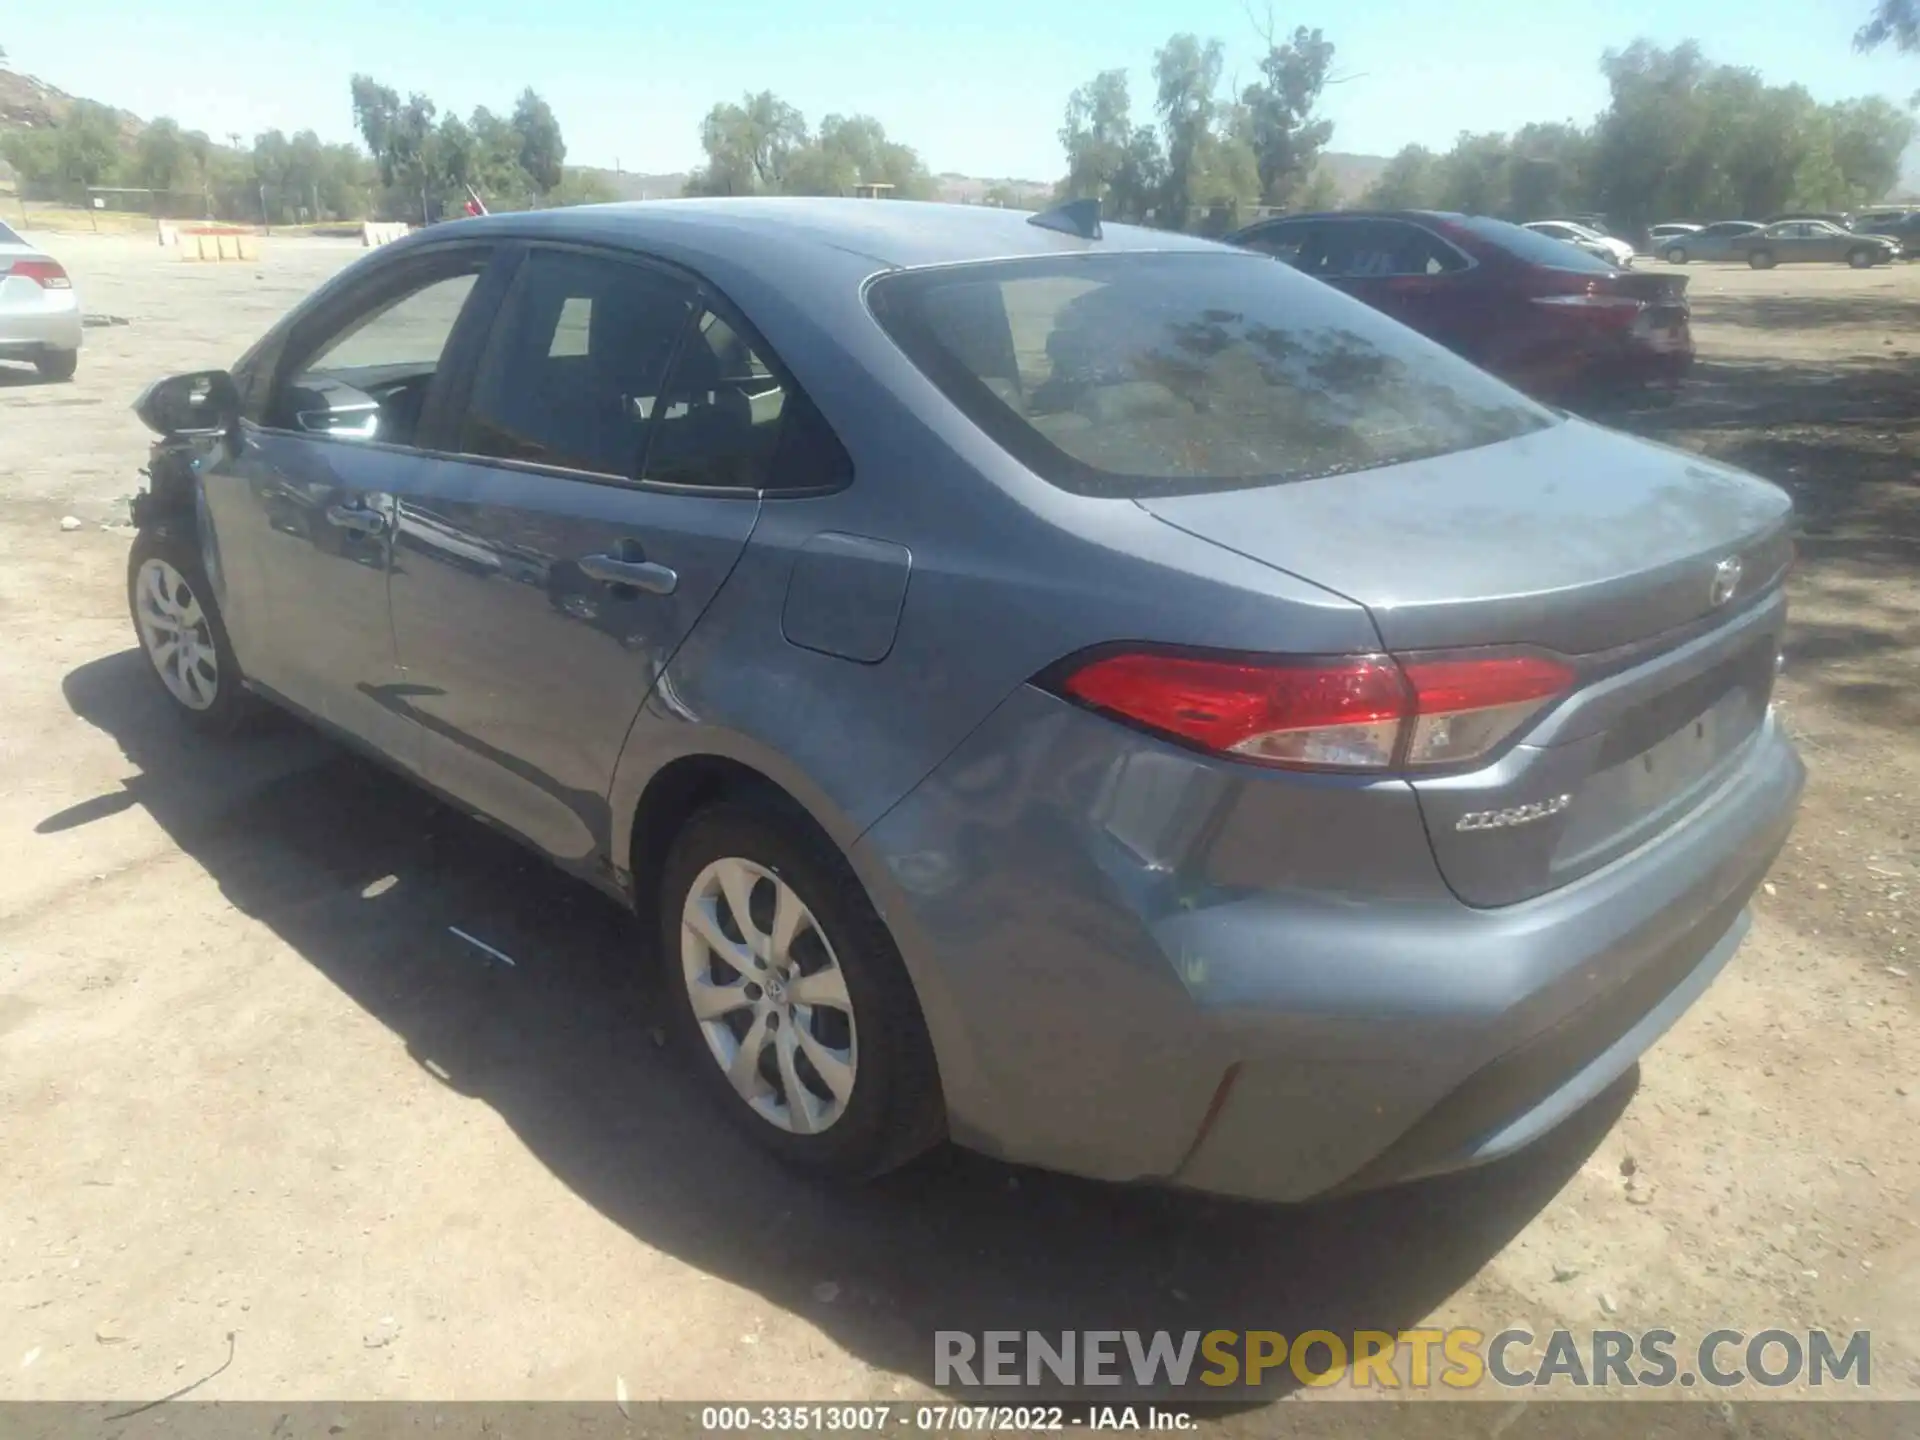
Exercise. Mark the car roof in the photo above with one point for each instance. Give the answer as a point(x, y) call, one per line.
point(767, 233)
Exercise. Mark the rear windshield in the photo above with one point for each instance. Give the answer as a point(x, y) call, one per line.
point(1153, 374)
point(7, 237)
point(1530, 245)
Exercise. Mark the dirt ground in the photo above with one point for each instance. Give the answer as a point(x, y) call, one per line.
point(250, 1085)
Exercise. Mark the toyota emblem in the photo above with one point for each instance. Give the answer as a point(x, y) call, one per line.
point(1726, 580)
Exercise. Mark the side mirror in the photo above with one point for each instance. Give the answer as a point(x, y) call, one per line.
point(201, 403)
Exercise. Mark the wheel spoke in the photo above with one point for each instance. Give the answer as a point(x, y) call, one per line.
point(165, 648)
point(788, 916)
point(744, 1072)
point(825, 986)
point(835, 1067)
point(711, 1001)
point(702, 919)
point(799, 1098)
point(737, 881)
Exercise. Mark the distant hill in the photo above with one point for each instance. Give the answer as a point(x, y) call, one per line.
point(1352, 174)
point(30, 104)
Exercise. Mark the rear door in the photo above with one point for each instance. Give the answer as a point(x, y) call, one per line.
point(605, 485)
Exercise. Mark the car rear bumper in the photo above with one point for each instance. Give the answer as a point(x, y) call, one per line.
point(1110, 992)
point(51, 321)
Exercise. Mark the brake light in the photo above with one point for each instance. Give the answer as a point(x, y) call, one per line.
point(47, 274)
point(1592, 300)
point(1351, 712)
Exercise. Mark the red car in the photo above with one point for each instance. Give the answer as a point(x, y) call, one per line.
point(1544, 316)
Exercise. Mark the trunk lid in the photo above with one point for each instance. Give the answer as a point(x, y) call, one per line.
point(1572, 538)
point(1614, 553)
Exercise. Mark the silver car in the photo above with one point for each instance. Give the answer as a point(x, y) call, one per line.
point(1808, 240)
point(1710, 242)
point(1084, 691)
point(39, 310)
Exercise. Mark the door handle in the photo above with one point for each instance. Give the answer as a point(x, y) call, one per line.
point(640, 574)
point(363, 522)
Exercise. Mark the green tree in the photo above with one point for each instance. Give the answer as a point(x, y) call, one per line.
point(749, 146)
point(161, 157)
point(1546, 171)
point(1186, 74)
point(87, 144)
point(1097, 136)
point(1321, 192)
point(1285, 136)
point(543, 153)
point(579, 187)
point(1897, 21)
point(1409, 181)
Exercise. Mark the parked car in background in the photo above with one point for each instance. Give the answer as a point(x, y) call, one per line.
point(39, 310)
point(1796, 241)
point(1604, 247)
point(1840, 218)
point(1085, 691)
point(1547, 316)
point(1709, 242)
point(1900, 226)
point(1658, 235)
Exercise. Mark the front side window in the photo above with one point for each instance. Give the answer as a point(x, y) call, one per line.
point(573, 374)
point(1283, 242)
point(368, 379)
point(1152, 373)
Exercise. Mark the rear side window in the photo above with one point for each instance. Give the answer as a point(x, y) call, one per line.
point(1530, 246)
point(1152, 374)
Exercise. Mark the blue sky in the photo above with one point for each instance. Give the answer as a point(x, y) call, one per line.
point(978, 88)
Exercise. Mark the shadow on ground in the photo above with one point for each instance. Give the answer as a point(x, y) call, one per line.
point(1811, 310)
point(563, 1046)
point(1844, 439)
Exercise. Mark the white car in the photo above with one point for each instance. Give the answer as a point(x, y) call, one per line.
point(1593, 242)
point(39, 311)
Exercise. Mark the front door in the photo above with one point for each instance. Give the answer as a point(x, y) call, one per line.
point(544, 577)
point(312, 489)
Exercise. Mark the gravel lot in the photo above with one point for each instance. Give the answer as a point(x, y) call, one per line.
point(249, 1084)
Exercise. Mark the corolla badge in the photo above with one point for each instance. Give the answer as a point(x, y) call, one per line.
point(1726, 580)
point(1514, 815)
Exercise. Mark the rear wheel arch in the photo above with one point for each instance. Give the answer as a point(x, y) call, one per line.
point(690, 783)
point(678, 791)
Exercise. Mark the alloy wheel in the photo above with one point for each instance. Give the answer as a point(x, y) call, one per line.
point(769, 995)
point(176, 635)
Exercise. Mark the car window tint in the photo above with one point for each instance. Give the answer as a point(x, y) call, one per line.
point(368, 379)
point(1139, 374)
point(1283, 242)
point(1363, 249)
point(728, 420)
point(1412, 250)
point(573, 373)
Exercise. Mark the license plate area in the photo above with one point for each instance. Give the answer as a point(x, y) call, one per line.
point(1659, 759)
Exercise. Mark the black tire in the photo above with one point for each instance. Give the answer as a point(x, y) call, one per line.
point(894, 1111)
point(1760, 259)
point(1862, 258)
point(57, 365)
point(1676, 255)
point(171, 542)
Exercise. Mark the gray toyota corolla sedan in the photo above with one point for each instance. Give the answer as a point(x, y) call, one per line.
point(1093, 694)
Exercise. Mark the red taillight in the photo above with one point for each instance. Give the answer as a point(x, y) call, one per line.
point(47, 274)
point(1356, 712)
